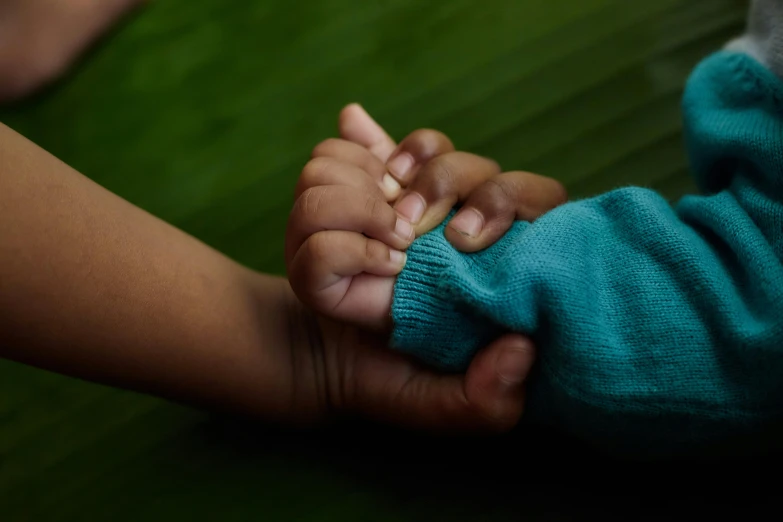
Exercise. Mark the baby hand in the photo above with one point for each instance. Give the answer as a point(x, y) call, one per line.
point(345, 242)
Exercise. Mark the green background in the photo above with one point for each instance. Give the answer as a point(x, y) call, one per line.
point(204, 111)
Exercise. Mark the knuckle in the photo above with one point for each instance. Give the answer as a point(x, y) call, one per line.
point(310, 203)
point(318, 248)
point(441, 177)
point(426, 136)
point(509, 187)
point(377, 210)
point(326, 148)
point(426, 142)
point(500, 196)
point(313, 171)
point(375, 251)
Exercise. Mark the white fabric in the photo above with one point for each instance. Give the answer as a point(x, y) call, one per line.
point(763, 39)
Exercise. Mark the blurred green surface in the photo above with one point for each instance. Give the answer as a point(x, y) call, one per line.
point(203, 113)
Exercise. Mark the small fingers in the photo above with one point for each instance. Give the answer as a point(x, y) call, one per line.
point(342, 153)
point(324, 171)
point(335, 207)
point(442, 183)
point(493, 207)
point(415, 151)
point(358, 127)
point(346, 276)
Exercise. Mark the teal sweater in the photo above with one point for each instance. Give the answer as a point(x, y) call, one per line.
point(658, 327)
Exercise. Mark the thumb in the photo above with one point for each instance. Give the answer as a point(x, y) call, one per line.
point(489, 398)
point(495, 381)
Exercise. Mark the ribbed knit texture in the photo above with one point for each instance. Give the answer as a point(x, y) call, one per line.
point(658, 328)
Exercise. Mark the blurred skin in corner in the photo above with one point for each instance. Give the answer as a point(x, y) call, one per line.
point(41, 39)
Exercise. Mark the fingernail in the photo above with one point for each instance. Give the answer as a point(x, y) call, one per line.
point(411, 207)
point(468, 222)
point(397, 257)
point(401, 166)
point(513, 366)
point(404, 230)
point(391, 187)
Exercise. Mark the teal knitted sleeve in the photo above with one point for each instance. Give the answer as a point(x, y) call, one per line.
point(657, 326)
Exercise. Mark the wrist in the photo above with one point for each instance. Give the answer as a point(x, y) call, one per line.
point(432, 313)
point(293, 354)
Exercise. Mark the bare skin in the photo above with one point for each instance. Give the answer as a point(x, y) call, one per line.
point(94, 287)
point(41, 39)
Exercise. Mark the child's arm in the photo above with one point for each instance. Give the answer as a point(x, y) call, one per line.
point(657, 327)
point(94, 287)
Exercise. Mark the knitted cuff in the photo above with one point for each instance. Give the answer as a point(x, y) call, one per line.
point(431, 321)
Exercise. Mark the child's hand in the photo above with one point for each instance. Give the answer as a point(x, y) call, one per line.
point(357, 373)
point(345, 243)
point(490, 209)
point(349, 371)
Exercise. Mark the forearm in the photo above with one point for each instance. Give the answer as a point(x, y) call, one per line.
point(94, 287)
